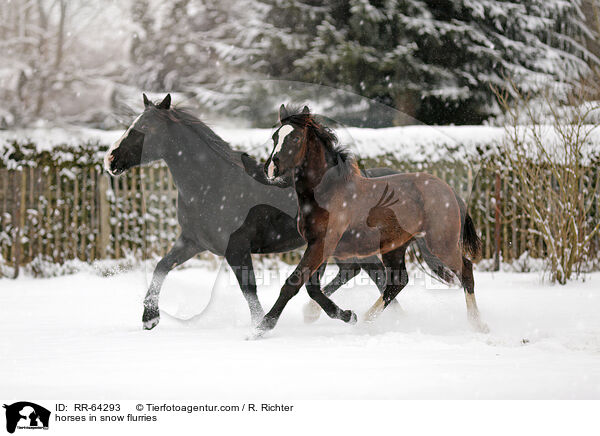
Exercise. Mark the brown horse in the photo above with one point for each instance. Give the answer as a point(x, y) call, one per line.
point(343, 214)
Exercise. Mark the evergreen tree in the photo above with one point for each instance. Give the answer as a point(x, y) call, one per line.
point(362, 46)
point(433, 59)
point(257, 46)
point(483, 43)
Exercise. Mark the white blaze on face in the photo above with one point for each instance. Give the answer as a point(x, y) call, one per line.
point(283, 132)
point(117, 144)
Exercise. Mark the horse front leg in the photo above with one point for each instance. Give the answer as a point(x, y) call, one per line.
point(310, 262)
point(239, 258)
point(312, 309)
point(347, 271)
point(329, 307)
point(182, 250)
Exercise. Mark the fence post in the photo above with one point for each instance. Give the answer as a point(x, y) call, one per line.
point(104, 237)
point(32, 227)
point(16, 254)
point(497, 223)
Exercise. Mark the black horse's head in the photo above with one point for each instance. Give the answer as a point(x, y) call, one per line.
point(141, 143)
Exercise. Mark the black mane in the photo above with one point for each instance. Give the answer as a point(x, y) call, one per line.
point(209, 137)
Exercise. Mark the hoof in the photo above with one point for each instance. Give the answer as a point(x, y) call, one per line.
point(151, 323)
point(396, 307)
point(479, 326)
point(150, 318)
point(255, 335)
point(349, 317)
point(375, 310)
point(353, 319)
point(312, 312)
point(263, 327)
point(257, 318)
point(483, 328)
point(256, 312)
point(258, 332)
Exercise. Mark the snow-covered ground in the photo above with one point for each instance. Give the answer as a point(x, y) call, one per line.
point(80, 337)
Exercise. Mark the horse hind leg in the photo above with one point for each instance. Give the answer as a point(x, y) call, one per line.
point(463, 269)
point(376, 271)
point(437, 267)
point(397, 279)
point(469, 284)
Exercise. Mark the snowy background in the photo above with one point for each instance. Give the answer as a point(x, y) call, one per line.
point(80, 337)
point(410, 143)
point(408, 81)
point(85, 62)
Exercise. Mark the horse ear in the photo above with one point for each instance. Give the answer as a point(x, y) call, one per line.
point(305, 110)
point(146, 101)
point(283, 113)
point(166, 103)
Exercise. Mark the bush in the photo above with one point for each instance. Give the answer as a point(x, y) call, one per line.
point(555, 175)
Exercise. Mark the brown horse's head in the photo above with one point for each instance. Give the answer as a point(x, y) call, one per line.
point(288, 145)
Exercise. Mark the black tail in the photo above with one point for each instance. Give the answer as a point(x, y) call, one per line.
point(470, 240)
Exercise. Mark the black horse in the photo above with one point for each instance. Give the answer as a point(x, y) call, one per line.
point(220, 208)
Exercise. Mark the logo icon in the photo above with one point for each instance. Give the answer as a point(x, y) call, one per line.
point(26, 415)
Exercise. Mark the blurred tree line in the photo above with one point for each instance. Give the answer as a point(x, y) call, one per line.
point(433, 60)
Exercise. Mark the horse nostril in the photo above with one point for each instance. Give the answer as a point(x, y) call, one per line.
point(111, 157)
point(276, 160)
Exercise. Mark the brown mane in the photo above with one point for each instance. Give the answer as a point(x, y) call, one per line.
point(340, 157)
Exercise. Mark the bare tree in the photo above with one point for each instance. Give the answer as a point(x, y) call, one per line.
point(549, 159)
point(43, 45)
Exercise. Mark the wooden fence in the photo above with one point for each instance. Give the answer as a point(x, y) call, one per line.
point(82, 213)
